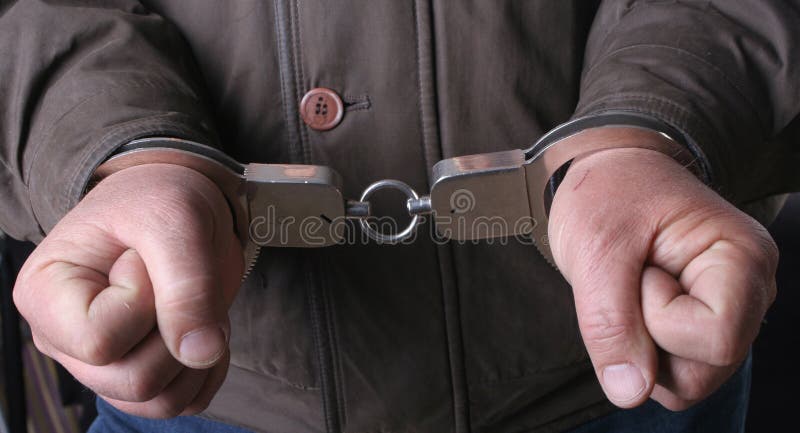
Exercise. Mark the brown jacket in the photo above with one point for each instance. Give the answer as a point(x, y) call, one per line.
point(421, 337)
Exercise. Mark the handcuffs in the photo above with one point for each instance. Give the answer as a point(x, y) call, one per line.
point(472, 197)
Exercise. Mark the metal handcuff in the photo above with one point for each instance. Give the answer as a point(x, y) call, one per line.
point(472, 197)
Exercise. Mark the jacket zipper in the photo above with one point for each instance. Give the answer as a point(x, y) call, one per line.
point(292, 86)
point(431, 141)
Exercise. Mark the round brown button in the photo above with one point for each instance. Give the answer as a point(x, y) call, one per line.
point(321, 109)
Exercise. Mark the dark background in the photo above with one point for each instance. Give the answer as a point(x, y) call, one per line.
point(776, 384)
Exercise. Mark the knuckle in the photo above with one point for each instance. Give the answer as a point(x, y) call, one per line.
point(23, 292)
point(770, 250)
point(167, 408)
point(39, 345)
point(95, 348)
point(677, 404)
point(197, 407)
point(19, 295)
point(725, 348)
point(603, 242)
point(604, 331)
point(143, 387)
point(697, 382)
point(771, 294)
point(691, 391)
point(761, 248)
point(194, 307)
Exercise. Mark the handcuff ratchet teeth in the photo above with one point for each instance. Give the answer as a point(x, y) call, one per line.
point(473, 197)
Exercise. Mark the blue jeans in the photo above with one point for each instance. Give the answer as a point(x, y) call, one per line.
point(723, 412)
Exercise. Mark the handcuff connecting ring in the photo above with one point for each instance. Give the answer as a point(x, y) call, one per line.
point(415, 204)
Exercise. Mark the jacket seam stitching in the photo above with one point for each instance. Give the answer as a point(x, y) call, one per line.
point(288, 115)
point(459, 394)
point(333, 336)
point(297, 45)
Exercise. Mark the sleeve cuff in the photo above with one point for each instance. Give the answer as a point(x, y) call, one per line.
point(57, 184)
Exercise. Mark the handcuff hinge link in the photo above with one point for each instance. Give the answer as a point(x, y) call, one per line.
point(419, 206)
point(357, 209)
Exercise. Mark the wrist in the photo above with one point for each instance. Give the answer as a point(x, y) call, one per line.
point(634, 138)
point(603, 139)
point(155, 184)
point(208, 162)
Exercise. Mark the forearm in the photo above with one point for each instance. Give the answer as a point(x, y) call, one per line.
point(724, 73)
point(77, 82)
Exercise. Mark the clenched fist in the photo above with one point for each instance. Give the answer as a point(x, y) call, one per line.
point(130, 291)
point(671, 282)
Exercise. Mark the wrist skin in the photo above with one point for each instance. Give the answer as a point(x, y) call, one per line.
point(633, 137)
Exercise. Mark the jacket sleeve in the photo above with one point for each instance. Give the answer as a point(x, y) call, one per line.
point(725, 73)
point(77, 80)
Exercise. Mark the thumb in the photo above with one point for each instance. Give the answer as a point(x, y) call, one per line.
point(607, 302)
point(601, 250)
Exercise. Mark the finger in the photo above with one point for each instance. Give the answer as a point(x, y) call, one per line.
point(186, 242)
point(91, 317)
point(606, 285)
point(171, 401)
point(683, 383)
point(216, 376)
point(140, 376)
point(670, 400)
point(602, 255)
point(716, 318)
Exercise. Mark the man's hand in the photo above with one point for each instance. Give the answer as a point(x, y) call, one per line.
point(671, 282)
point(130, 291)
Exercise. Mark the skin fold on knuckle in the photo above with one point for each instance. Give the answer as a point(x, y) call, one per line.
point(674, 403)
point(605, 333)
point(21, 296)
point(726, 346)
point(766, 253)
point(588, 247)
point(143, 385)
point(696, 381)
point(168, 408)
point(42, 346)
point(760, 262)
point(34, 275)
point(684, 233)
point(692, 387)
point(185, 303)
point(96, 347)
point(197, 406)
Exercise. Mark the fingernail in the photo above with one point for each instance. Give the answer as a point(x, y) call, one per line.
point(623, 382)
point(203, 347)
